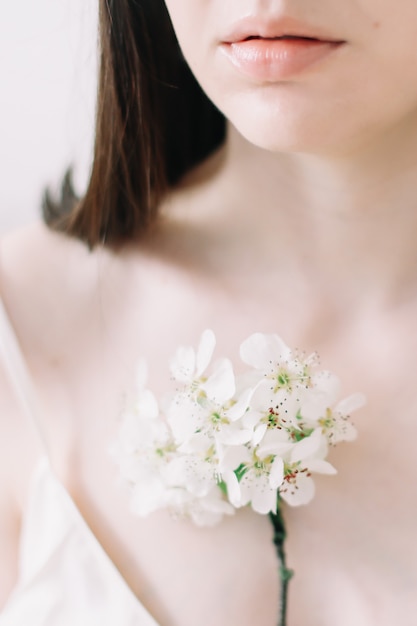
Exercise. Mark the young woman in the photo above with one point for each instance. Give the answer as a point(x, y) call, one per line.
point(296, 216)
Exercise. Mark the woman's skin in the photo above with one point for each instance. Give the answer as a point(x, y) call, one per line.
point(303, 224)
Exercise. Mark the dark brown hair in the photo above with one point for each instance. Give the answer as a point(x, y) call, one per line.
point(154, 123)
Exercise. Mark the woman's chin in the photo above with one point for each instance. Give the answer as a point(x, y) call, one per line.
point(285, 127)
point(281, 137)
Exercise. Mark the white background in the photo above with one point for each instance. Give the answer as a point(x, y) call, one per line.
point(47, 100)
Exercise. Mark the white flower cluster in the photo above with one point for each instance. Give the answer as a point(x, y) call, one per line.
point(225, 441)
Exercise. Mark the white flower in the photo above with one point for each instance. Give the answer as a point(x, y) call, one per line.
point(271, 410)
point(255, 480)
point(210, 408)
point(189, 365)
point(203, 511)
point(271, 356)
point(260, 351)
point(143, 438)
point(143, 447)
point(306, 457)
point(336, 424)
point(149, 492)
point(226, 441)
point(320, 407)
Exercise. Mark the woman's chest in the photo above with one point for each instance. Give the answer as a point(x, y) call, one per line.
point(353, 548)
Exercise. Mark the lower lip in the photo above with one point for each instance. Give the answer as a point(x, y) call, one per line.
point(271, 60)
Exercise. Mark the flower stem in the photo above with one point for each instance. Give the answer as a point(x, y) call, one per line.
point(286, 574)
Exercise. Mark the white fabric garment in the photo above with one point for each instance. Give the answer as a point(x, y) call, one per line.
point(65, 576)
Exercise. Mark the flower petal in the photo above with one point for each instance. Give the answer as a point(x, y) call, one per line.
point(234, 457)
point(205, 351)
point(221, 386)
point(184, 417)
point(259, 434)
point(264, 501)
point(261, 350)
point(182, 366)
point(276, 474)
point(350, 404)
point(300, 493)
point(148, 496)
point(233, 488)
point(147, 405)
point(307, 447)
point(230, 436)
point(241, 406)
point(275, 442)
point(319, 466)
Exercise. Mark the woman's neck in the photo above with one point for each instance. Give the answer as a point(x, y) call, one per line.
point(346, 226)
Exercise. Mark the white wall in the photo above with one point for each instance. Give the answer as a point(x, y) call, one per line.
point(47, 99)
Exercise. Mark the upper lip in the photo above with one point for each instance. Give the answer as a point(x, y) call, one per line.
point(273, 28)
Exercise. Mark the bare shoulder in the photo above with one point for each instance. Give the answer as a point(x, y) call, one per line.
point(42, 273)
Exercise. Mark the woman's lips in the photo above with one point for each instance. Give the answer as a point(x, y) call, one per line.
point(273, 59)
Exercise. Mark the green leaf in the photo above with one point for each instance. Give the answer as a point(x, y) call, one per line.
point(241, 471)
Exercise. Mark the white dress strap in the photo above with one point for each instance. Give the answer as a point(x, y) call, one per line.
point(18, 373)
